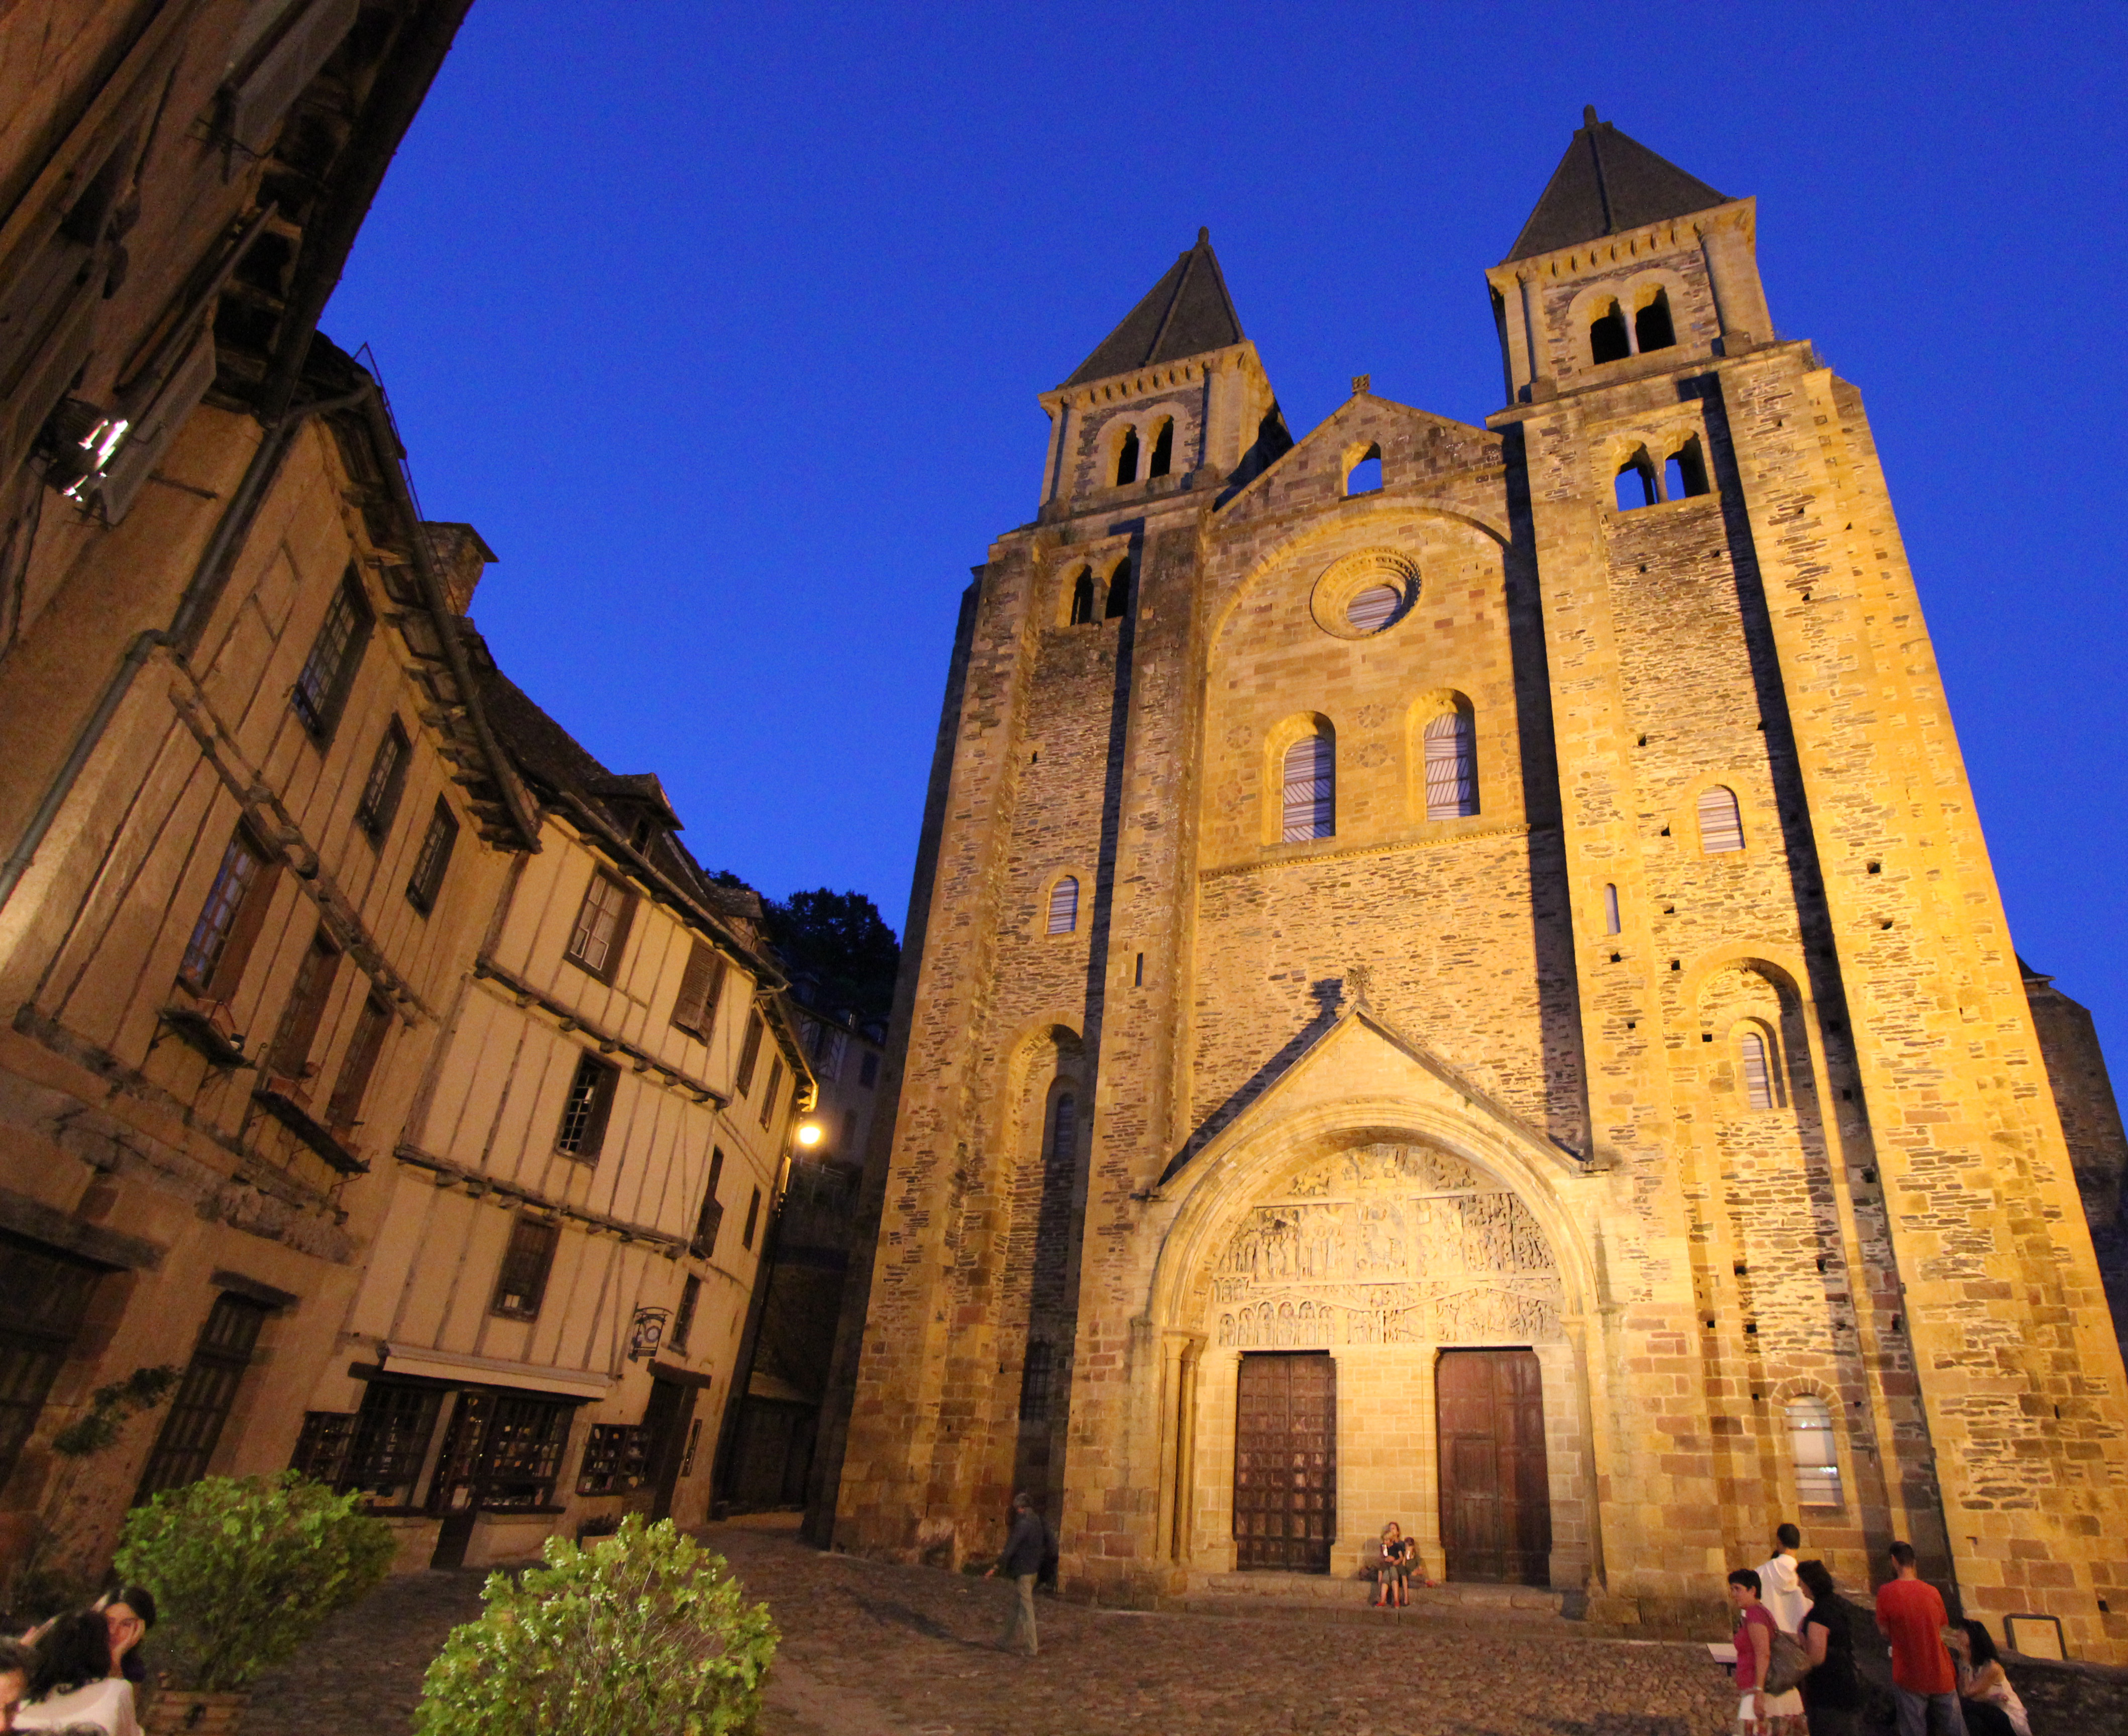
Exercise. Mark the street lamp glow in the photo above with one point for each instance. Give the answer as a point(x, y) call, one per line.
point(809, 1133)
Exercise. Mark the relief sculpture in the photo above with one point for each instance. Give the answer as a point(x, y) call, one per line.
point(1386, 1245)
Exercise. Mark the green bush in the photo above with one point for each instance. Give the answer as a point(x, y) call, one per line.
point(643, 1633)
point(245, 1569)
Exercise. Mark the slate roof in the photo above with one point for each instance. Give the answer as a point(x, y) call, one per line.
point(1187, 313)
point(1607, 183)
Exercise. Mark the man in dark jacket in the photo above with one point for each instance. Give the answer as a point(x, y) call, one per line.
point(1021, 1560)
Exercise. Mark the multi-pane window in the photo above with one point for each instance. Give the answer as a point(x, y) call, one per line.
point(1034, 1378)
point(1816, 1453)
point(373, 1024)
point(329, 671)
point(1721, 825)
point(1452, 765)
point(43, 1295)
point(521, 1284)
point(702, 985)
point(322, 1447)
point(194, 1424)
point(585, 1110)
point(380, 1449)
point(228, 920)
point(711, 1217)
point(427, 879)
point(616, 1459)
point(307, 1004)
point(749, 1053)
point(1758, 1076)
point(752, 1219)
point(1064, 905)
point(602, 927)
point(386, 782)
point(1310, 775)
point(521, 1452)
point(683, 1317)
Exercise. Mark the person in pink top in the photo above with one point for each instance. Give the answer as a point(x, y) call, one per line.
point(1759, 1712)
point(1923, 1681)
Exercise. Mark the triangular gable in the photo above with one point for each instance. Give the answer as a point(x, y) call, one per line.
point(1362, 1057)
point(1415, 443)
point(1187, 313)
point(1608, 183)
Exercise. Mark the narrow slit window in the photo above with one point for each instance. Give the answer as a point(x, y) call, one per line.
point(387, 781)
point(1063, 1128)
point(1758, 1076)
point(1452, 765)
point(683, 1316)
point(1310, 789)
point(1064, 905)
point(775, 1086)
point(1610, 910)
point(427, 880)
point(1082, 598)
point(1163, 450)
point(1120, 589)
point(1607, 341)
point(1721, 824)
point(1651, 326)
point(1127, 458)
point(585, 1109)
point(1034, 1377)
point(1816, 1453)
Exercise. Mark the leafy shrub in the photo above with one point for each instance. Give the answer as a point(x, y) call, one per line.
point(642, 1634)
point(245, 1569)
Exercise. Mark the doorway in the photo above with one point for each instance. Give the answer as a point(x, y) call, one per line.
point(1286, 1462)
point(1495, 1494)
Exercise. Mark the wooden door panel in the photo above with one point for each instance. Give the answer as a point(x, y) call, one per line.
point(1495, 1492)
point(1286, 1462)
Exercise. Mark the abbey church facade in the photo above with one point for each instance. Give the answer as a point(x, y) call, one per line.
point(1477, 998)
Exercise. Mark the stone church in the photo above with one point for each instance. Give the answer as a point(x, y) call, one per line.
point(1454, 976)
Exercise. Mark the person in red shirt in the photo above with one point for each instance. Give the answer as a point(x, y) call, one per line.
point(1923, 1681)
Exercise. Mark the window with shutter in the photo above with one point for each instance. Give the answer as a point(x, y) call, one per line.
point(1310, 781)
point(711, 1217)
point(521, 1285)
point(1816, 1453)
point(749, 1054)
point(585, 1109)
point(695, 1007)
point(387, 781)
point(768, 1097)
point(1758, 1076)
point(1452, 765)
point(321, 689)
point(372, 1026)
point(229, 921)
point(1064, 906)
point(602, 927)
point(437, 843)
point(291, 1053)
point(752, 1219)
point(1721, 824)
point(683, 1317)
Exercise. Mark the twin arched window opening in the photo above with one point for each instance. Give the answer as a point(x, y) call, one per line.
point(1162, 459)
point(1308, 777)
point(1683, 476)
point(1084, 610)
point(1613, 336)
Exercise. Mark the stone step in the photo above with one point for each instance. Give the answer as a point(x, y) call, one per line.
point(1239, 1593)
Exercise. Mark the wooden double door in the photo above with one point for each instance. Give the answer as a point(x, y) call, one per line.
point(1495, 1494)
point(1286, 1462)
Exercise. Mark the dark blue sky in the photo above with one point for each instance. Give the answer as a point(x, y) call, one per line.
point(725, 325)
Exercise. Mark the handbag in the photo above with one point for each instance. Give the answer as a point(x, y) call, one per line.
point(1787, 1664)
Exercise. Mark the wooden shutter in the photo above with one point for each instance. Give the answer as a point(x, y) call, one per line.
point(775, 1086)
point(1310, 780)
point(370, 1026)
point(306, 1006)
point(1721, 825)
point(695, 1007)
point(1451, 766)
point(521, 1285)
point(749, 1053)
point(1064, 906)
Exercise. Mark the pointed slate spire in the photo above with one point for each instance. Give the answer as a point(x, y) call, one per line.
point(1607, 183)
point(1187, 312)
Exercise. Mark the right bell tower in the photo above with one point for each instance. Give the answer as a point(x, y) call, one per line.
point(1812, 1066)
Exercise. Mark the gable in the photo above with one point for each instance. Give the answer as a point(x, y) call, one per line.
point(1420, 453)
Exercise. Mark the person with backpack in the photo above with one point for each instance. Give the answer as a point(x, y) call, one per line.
point(1771, 1704)
point(1832, 1692)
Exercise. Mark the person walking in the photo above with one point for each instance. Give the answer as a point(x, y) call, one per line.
point(1778, 1590)
point(1910, 1615)
point(1832, 1692)
point(1021, 1559)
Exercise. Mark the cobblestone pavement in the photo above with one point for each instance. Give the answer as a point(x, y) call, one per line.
point(872, 1650)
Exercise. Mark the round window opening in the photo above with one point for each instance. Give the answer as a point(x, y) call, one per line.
point(1364, 593)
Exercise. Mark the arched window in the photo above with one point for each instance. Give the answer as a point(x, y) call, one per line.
point(1636, 484)
point(1064, 906)
point(1082, 598)
point(1127, 458)
point(1451, 766)
point(1816, 1455)
point(1758, 1076)
point(1651, 325)
point(1607, 335)
point(1311, 777)
point(1610, 910)
point(1366, 475)
point(1721, 825)
point(1685, 474)
point(1063, 1128)
point(1163, 450)
point(1120, 591)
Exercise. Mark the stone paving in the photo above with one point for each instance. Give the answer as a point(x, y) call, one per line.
point(874, 1650)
